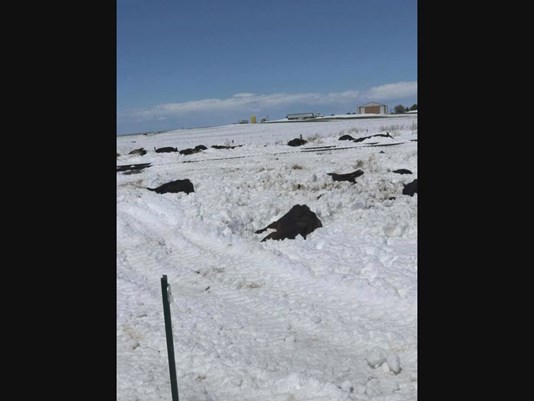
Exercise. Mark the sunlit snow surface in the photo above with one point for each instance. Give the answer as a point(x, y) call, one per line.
point(331, 317)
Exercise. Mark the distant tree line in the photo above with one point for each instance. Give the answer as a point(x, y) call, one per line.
point(401, 109)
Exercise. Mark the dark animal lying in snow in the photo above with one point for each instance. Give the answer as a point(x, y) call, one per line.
point(402, 171)
point(140, 152)
point(225, 146)
point(166, 149)
point(386, 135)
point(351, 177)
point(190, 151)
point(411, 188)
point(174, 187)
point(299, 220)
point(346, 138)
point(296, 142)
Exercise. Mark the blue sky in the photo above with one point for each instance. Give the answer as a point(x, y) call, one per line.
point(184, 64)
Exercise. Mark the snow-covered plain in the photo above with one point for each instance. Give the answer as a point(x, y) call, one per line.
point(332, 317)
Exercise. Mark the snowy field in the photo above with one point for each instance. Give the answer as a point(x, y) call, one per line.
point(332, 317)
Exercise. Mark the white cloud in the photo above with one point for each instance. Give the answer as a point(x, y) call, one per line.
point(252, 102)
point(394, 91)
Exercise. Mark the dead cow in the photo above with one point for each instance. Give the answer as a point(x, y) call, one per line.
point(297, 142)
point(299, 220)
point(346, 138)
point(402, 171)
point(190, 151)
point(174, 187)
point(225, 146)
point(140, 152)
point(410, 189)
point(351, 177)
point(166, 149)
point(386, 135)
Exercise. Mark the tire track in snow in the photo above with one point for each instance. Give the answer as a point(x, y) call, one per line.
point(270, 307)
point(272, 311)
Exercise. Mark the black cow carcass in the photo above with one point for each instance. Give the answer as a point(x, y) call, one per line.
point(351, 177)
point(174, 187)
point(402, 171)
point(386, 135)
point(190, 151)
point(410, 188)
point(346, 138)
point(299, 220)
point(297, 142)
point(166, 149)
point(140, 152)
point(225, 146)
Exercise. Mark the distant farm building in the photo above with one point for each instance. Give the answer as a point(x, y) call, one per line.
point(303, 116)
point(373, 108)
